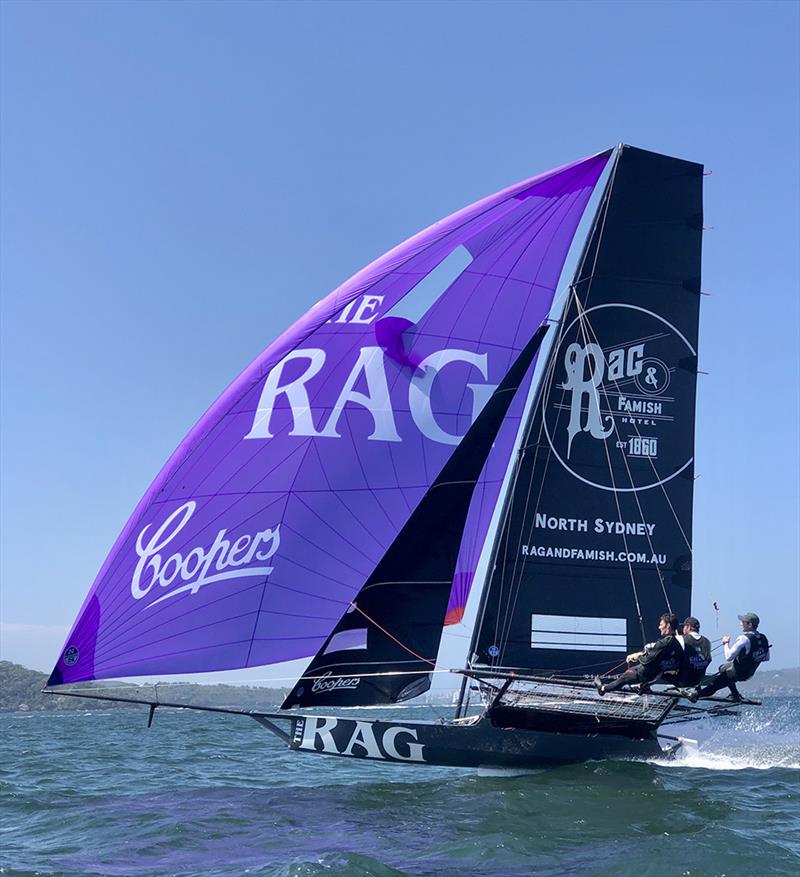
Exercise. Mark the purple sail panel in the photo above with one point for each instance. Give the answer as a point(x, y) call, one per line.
point(275, 509)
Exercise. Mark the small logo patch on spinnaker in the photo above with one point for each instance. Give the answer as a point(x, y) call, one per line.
point(71, 656)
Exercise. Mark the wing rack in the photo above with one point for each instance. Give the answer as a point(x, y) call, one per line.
point(567, 705)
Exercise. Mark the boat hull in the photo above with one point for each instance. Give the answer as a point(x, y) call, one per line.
point(474, 742)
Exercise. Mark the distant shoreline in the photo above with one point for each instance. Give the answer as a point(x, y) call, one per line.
point(21, 690)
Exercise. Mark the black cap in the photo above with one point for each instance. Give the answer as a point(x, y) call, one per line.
point(751, 617)
point(692, 622)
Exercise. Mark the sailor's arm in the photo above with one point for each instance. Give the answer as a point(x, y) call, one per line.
point(731, 651)
point(652, 651)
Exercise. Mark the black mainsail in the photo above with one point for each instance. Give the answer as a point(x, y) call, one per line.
point(596, 537)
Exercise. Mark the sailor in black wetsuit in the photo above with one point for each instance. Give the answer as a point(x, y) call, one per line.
point(659, 657)
point(696, 654)
point(743, 658)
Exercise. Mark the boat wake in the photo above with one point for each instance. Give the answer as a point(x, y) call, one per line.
point(736, 758)
point(751, 743)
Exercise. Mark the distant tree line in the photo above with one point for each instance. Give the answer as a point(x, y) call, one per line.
point(21, 689)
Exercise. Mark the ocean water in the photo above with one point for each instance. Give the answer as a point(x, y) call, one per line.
point(96, 793)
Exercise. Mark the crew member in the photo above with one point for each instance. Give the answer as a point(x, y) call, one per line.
point(750, 649)
point(696, 654)
point(659, 657)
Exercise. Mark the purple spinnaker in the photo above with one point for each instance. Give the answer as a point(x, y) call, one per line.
point(277, 506)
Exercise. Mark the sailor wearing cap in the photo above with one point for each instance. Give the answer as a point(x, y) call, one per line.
point(749, 649)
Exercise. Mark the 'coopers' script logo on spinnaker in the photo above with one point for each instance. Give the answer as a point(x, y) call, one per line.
point(619, 407)
point(201, 565)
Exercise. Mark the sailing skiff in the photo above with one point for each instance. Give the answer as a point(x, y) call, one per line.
point(334, 504)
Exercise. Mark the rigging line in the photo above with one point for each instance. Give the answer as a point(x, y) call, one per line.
point(604, 207)
point(539, 225)
point(584, 319)
point(515, 583)
point(614, 486)
point(546, 381)
point(615, 667)
point(511, 605)
point(515, 578)
point(543, 220)
point(641, 339)
point(601, 232)
point(590, 667)
point(551, 673)
point(528, 220)
point(503, 620)
point(392, 637)
point(511, 490)
point(649, 459)
point(507, 511)
point(591, 278)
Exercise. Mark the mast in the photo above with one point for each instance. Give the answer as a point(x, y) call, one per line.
point(525, 432)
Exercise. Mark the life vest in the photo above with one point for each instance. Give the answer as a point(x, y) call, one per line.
point(746, 663)
point(695, 660)
point(662, 656)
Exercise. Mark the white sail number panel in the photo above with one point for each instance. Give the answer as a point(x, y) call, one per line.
point(579, 634)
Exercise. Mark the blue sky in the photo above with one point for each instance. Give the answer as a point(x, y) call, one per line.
point(180, 181)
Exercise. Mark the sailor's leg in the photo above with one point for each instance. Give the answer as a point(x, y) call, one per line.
point(733, 678)
point(629, 677)
point(734, 690)
point(725, 678)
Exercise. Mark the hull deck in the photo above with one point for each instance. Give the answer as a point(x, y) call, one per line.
point(478, 741)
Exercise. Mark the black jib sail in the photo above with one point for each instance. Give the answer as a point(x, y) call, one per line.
point(384, 647)
point(596, 538)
